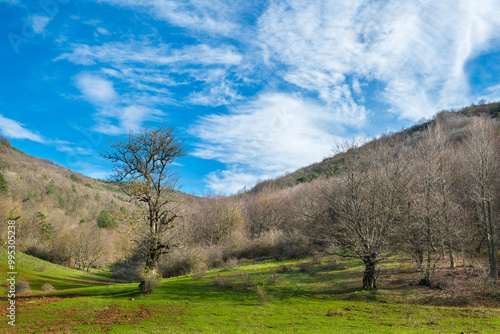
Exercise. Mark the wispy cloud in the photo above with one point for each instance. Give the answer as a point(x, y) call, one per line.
point(145, 53)
point(264, 138)
point(214, 16)
point(13, 129)
point(116, 114)
point(39, 22)
point(417, 50)
point(122, 120)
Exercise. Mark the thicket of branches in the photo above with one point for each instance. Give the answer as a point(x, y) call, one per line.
point(429, 194)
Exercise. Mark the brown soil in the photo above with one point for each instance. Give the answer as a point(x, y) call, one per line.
point(450, 287)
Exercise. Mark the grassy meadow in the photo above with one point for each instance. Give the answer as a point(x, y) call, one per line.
point(306, 296)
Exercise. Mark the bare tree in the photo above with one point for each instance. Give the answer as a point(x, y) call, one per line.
point(483, 165)
point(88, 245)
point(433, 205)
point(143, 167)
point(366, 206)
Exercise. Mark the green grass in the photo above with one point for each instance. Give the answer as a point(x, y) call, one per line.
point(38, 272)
point(294, 298)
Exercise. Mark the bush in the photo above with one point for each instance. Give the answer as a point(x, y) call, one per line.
point(200, 270)
point(177, 263)
point(231, 264)
point(5, 141)
point(105, 220)
point(263, 296)
point(127, 272)
point(47, 287)
point(75, 178)
point(22, 286)
point(149, 280)
point(307, 268)
point(4, 187)
point(52, 187)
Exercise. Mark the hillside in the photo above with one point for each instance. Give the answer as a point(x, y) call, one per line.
point(54, 205)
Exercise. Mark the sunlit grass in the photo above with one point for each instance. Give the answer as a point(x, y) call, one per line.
point(299, 296)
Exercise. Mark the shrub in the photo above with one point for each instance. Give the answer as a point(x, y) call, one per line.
point(4, 187)
point(200, 270)
point(177, 263)
point(22, 286)
point(105, 220)
point(307, 268)
point(75, 178)
point(127, 272)
point(263, 296)
point(231, 264)
point(47, 287)
point(5, 141)
point(212, 256)
point(88, 185)
point(52, 187)
point(149, 280)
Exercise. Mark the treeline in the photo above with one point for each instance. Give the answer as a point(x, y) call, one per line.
point(430, 193)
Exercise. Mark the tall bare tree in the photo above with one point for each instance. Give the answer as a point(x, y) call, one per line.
point(482, 162)
point(143, 167)
point(433, 206)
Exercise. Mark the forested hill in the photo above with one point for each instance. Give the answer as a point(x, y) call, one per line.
point(332, 165)
point(57, 207)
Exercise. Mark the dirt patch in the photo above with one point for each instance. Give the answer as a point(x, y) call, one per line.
point(100, 320)
point(26, 302)
point(450, 287)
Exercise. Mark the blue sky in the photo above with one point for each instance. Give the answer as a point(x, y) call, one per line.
point(255, 88)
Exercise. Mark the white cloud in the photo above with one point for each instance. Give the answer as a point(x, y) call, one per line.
point(264, 138)
point(215, 95)
point(214, 16)
point(149, 70)
point(121, 120)
point(418, 50)
point(144, 53)
point(116, 114)
point(39, 23)
point(16, 130)
point(102, 31)
point(75, 150)
point(232, 180)
point(96, 89)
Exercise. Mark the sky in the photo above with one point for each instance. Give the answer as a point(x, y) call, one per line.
point(256, 89)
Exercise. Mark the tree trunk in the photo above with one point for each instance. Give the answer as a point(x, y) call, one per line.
point(463, 260)
point(490, 238)
point(150, 274)
point(419, 256)
point(427, 278)
point(452, 258)
point(370, 275)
